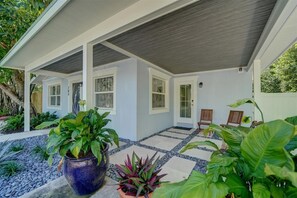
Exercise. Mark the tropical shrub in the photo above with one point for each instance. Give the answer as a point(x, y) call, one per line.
point(43, 117)
point(139, 177)
point(256, 163)
point(4, 112)
point(8, 166)
point(14, 123)
point(81, 135)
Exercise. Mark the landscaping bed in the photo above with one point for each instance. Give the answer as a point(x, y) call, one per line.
point(35, 170)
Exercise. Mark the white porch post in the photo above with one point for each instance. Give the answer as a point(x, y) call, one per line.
point(27, 106)
point(87, 75)
point(257, 86)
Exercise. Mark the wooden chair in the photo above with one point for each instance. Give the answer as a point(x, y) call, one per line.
point(234, 118)
point(205, 117)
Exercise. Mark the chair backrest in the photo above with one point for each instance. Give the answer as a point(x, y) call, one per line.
point(206, 115)
point(235, 117)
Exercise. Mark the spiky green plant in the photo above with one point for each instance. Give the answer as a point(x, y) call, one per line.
point(139, 177)
point(16, 148)
point(41, 152)
point(8, 166)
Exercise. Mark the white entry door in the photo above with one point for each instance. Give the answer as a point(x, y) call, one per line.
point(185, 101)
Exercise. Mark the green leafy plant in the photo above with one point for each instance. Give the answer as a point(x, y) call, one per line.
point(81, 135)
point(14, 123)
point(4, 112)
point(138, 177)
point(43, 117)
point(8, 166)
point(41, 152)
point(16, 148)
point(292, 120)
point(256, 163)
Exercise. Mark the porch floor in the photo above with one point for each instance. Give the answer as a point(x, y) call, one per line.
point(167, 143)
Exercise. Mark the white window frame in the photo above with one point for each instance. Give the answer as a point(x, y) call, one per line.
point(49, 106)
point(103, 74)
point(153, 73)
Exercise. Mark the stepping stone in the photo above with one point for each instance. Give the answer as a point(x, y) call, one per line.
point(121, 156)
point(114, 146)
point(177, 169)
point(187, 132)
point(198, 153)
point(177, 135)
point(161, 142)
point(217, 142)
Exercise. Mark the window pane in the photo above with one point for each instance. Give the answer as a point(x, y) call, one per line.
point(104, 100)
point(158, 101)
point(51, 90)
point(58, 100)
point(104, 84)
point(158, 85)
point(53, 100)
point(58, 90)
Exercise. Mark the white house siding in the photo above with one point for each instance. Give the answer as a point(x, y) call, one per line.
point(221, 88)
point(148, 124)
point(63, 109)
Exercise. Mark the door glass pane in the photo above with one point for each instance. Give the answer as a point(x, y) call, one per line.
point(185, 101)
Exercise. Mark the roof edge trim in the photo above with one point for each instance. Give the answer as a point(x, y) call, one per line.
point(53, 9)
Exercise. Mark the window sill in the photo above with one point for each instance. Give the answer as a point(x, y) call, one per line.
point(54, 107)
point(157, 111)
point(111, 111)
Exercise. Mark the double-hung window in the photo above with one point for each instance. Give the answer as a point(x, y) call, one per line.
point(54, 95)
point(104, 92)
point(159, 91)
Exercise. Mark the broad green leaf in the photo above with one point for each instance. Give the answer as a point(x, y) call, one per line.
point(80, 116)
point(218, 190)
point(292, 145)
point(76, 147)
point(277, 192)
point(265, 144)
point(50, 160)
point(292, 120)
point(199, 143)
point(247, 101)
point(291, 192)
point(260, 191)
point(220, 165)
point(237, 186)
point(96, 150)
point(282, 173)
point(47, 124)
point(167, 190)
point(195, 186)
point(74, 134)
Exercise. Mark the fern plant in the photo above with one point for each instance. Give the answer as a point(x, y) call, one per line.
point(8, 166)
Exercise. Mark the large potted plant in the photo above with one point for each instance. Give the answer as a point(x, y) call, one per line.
point(82, 140)
point(138, 177)
point(256, 163)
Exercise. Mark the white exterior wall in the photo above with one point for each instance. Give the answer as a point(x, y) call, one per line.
point(148, 124)
point(222, 88)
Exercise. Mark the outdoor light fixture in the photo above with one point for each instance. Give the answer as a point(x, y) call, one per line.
point(200, 84)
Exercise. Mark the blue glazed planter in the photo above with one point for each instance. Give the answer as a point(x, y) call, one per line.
point(84, 175)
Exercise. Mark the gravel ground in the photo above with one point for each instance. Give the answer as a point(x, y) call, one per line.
point(36, 172)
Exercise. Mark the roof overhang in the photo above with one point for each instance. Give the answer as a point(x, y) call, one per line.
point(58, 35)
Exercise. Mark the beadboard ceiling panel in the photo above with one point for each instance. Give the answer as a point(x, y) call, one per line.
point(101, 55)
point(207, 35)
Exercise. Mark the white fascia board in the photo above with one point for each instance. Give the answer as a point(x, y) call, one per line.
point(133, 16)
point(50, 73)
point(41, 21)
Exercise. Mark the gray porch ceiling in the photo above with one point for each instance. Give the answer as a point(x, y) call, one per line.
point(101, 55)
point(207, 35)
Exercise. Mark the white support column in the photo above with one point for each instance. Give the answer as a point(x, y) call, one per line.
point(27, 106)
point(257, 86)
point(88, 75)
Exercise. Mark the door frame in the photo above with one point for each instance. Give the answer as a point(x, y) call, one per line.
point(193, 80)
